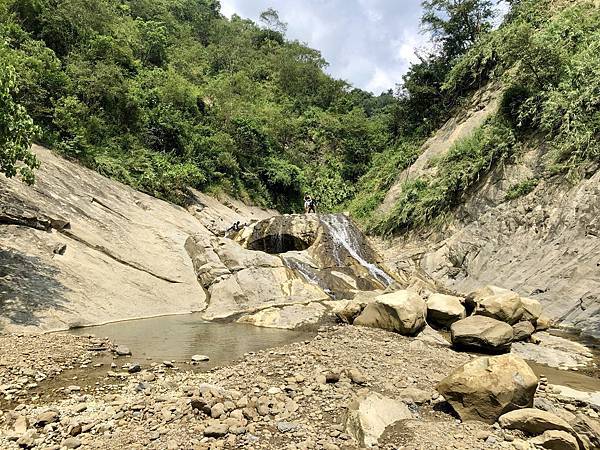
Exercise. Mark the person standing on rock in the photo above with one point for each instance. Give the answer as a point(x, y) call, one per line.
point(314, 202)
point(307, 203)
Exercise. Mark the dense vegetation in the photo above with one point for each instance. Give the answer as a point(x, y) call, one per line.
point(546, 55)
point(168, 94)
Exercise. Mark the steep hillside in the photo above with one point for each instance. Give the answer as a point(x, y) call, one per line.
point(507, 192)
point(79, 249)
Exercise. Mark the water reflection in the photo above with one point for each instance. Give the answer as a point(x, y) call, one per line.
point(179, 337)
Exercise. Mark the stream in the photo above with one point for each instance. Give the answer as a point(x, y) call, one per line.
point(178, 338)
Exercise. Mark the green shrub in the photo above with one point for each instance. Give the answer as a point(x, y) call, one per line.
point(521, 189)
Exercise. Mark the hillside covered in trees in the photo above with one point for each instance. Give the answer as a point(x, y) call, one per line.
point(169, 94)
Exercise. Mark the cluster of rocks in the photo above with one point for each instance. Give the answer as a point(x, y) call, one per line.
point(347, 388)
point(26, 362)
point(489, 319)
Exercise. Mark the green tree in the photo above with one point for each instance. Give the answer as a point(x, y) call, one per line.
point(455, 25)
point(16, 130)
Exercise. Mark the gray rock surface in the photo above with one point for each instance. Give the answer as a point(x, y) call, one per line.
point(443, 310)
point(483, 333)
point(401, 311)
point(369, 415)
point(121, 254)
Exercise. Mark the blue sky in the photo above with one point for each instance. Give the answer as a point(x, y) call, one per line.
point(369, 43)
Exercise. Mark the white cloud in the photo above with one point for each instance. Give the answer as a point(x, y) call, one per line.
point(369, 43)
point(228, 8)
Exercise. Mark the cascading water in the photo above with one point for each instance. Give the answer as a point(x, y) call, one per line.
point(345, 237)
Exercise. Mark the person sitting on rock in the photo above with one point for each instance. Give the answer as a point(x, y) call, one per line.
point(234, 228)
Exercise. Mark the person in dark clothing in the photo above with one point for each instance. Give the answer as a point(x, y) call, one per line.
point(307, 202)
point(312, 207)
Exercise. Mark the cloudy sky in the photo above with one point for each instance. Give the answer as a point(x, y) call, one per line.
point(369, 43)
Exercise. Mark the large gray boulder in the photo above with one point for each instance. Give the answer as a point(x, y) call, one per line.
point(488, 387)
point(443, 310)
point(481, 333)
point(370, 414)
point(401, 311)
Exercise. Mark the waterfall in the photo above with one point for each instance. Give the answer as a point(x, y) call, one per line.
point(344, 236)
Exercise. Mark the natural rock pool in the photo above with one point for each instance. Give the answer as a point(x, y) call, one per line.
point(178, 338)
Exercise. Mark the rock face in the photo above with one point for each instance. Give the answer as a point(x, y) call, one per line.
point(120, 252)
point(488, 387)
point(481, 333)
point(401, 311)
point(239, 280)
point(444, 310)
point(526, 244)
point(368, 417)
point(328, 250)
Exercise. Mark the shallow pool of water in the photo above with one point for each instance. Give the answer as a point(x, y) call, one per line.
point(177, 338)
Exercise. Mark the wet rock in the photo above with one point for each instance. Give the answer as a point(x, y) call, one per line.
point(555, 440)
point(481, 333)
point(401, 311)
point(533, 421)
point(369, 415)
point(487, 387)
point(522, 331)
point(444, 310)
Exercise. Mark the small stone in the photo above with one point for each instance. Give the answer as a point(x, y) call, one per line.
point(134, 368)
point(217, 410)
point(357, 377)
point(71, 442)
point(200, 358)
point(286, 427)
point(216, 430)
point(45, 418)
point(121, 350)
